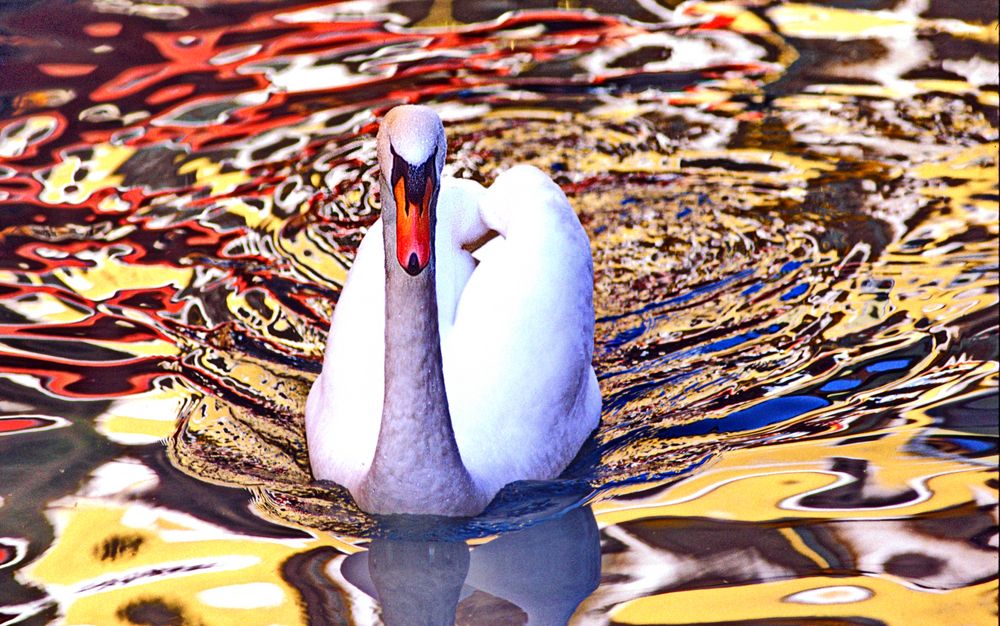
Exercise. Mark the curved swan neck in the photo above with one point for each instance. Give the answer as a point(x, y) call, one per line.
point(417, 467)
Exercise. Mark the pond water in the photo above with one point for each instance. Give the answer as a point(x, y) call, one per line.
point(793, 213)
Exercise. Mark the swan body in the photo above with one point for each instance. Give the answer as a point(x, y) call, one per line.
point(441, 386)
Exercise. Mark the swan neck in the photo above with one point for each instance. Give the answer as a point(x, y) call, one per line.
point(414, 378)
point(417, 467)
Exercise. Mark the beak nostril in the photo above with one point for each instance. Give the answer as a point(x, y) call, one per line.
point(413, 265)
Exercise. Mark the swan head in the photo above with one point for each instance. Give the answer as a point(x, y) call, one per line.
point(411, 153)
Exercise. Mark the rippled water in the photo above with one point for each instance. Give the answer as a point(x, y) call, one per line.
point(793, 212)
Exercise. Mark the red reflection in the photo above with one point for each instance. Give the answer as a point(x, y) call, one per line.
point(10, 425)
point(103, 29)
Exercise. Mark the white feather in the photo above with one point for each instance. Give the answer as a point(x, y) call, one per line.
point(516, 333)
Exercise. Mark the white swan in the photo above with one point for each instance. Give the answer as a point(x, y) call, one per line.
point(444, 379)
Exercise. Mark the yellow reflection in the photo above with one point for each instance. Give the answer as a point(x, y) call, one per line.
point(109, 559)
point(210, 173)
point(882, 599)
point(15, 138)
point(44, 308)
point(109, 275)
point(440, 14)
point(63, 183)
point(145, 417)
point(780, 475)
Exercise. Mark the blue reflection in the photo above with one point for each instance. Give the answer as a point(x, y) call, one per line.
point(840, 385)
point(764, 414)
point(795, 292)
point(888, 366)
point(972, 445)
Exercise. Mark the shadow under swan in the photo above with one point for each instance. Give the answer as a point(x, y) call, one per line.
point(545, 570)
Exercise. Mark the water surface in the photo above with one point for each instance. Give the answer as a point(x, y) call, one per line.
point(793, 216)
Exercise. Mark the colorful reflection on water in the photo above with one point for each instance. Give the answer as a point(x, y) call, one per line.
point(793, 211)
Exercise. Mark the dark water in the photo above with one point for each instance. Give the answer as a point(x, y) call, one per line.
point(793, 216)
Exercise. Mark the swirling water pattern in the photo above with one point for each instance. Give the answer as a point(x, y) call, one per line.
point(793, 213)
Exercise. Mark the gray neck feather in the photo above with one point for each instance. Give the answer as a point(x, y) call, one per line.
point(417, 467)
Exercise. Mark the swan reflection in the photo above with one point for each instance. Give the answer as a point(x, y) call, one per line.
point(542, 573)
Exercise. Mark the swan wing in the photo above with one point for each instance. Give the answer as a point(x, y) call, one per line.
point(344, 408)
point(458, 225)
point(517, 363)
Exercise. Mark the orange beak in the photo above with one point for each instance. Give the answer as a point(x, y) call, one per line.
point(413, 219)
